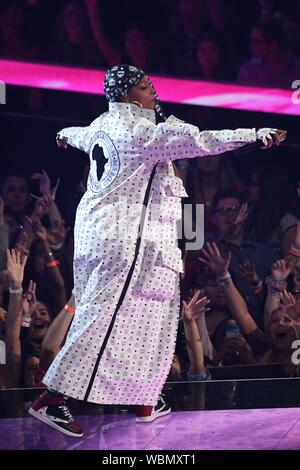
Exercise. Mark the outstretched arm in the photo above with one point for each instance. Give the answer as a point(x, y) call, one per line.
point(175, 139)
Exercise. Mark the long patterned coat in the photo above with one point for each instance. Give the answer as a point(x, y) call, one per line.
point(121, 343)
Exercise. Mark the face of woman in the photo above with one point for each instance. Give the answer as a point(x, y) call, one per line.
point(40, 321)
point(73, 19)
point(11, 19)
point(208, 54)
point(281, 330)
point(143, 93)
point(135, 43)
point(215, 295)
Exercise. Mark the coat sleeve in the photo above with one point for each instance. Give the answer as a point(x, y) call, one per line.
point(175, 139)
point(79, 137)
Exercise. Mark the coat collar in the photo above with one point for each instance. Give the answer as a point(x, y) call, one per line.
point(132, 109)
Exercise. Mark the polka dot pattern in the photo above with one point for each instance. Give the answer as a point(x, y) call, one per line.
point(138, 353)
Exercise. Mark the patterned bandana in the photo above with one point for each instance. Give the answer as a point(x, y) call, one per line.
point(120, 79)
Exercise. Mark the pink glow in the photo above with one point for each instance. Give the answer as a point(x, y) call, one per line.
point(172, 90)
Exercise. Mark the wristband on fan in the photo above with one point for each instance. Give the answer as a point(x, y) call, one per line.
point(52, 264)
point(56, 247)
point(16, 291)
point(70, 309)
point(224, 280)
point(26, 322)
point(257, 288)
point(279, 286)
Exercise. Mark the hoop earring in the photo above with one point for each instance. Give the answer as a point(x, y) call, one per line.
point(137, 103)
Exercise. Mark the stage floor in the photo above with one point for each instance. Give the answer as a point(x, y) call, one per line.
point(255, 429)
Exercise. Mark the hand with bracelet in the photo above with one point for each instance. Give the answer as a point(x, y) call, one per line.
point(57, 233)
point(195, 307)
point(41, 233)
point(211, 256)
point(248, 271)
point(16, 262)
point(28, 304)
point(281, 269)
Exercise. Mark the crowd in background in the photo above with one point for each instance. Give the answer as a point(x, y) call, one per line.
point(254, 42)
point(240, 292)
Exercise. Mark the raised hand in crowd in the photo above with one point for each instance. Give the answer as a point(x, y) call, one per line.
point(42, 207)
point(16, 262)
point(28, 304)
point(191, 312)
point(45, 184)
point(248, 271)
point(211, 256)
point(287, 299)
point(194, 308)
point(281, 269)
point(22, 243)
point(57, 233)
point(233, 348)
point(239, 220)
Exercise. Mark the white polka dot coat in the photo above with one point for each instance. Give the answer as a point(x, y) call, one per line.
point(122, 353)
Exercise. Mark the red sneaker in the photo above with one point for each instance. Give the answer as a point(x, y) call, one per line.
point(52, 410)
point(146, 414)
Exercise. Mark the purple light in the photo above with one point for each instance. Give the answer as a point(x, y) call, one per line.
point(172, 90)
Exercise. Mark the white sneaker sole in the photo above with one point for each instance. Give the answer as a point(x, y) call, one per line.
point(48, 421)
point(149, 419)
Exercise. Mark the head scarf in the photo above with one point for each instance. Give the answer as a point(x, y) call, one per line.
point(120, 79)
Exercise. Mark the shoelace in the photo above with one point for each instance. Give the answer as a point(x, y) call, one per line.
point(161, 398)
point(66, 412)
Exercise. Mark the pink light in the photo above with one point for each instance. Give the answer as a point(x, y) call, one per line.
point(172, 90)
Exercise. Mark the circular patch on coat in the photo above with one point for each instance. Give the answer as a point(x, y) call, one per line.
point(105, 162)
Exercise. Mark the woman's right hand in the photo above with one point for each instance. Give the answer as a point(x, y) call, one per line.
point(15, 267)
point(62, 143)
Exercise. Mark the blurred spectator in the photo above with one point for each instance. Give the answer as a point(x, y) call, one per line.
point(288, 224)
point(181, 55)
point(80, 37)
point(138, 50)
point(14, 44)
point(291, 26)
point(270, 64)
point(17, 200)
point(270, 9)
point(268, 188)
point(206, 177)
point(231, 29)
point(211, 60)
point(229, 213)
